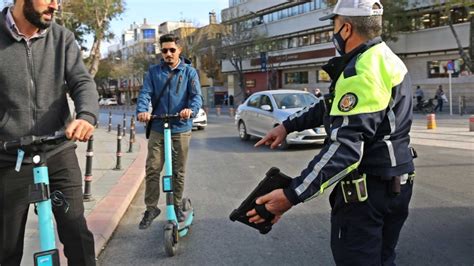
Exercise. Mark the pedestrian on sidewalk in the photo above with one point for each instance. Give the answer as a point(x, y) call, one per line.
point(366, 155)
point(440, 98)
point(40, 63)
point(172, 87)
point(419, 94)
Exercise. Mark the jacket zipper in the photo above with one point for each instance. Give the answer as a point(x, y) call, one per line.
point(33, 86)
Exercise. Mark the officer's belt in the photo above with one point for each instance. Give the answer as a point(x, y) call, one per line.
point(403, 178)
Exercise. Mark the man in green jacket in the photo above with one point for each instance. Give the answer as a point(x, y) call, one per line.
point(40, 62)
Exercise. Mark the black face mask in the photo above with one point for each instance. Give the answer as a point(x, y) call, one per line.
point(339, 42)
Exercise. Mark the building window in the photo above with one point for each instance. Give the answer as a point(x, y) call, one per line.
point(149, 34)
point(296, 77)
point(439, 69)
point(293, 42)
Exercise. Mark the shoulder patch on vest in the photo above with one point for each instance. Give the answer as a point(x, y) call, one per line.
point(348, 102)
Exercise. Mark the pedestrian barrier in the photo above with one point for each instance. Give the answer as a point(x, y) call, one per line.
point(431, 121)
point(471, 123)
point(88, 173)
point(110, 122)
point(118, 166)
point(124, 124)
point(132, 133)
point(218, 110)
point(231, 112)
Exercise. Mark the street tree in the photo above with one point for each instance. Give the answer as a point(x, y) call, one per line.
point(242, 41)
point(92, 17)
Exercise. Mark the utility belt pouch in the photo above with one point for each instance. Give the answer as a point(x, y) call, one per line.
point(396, 185)
point(354, 187)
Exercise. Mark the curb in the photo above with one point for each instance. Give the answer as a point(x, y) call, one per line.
point(105, 217)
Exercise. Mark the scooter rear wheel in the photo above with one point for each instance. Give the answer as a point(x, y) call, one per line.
point(171, 243)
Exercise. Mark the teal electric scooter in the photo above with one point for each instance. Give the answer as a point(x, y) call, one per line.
point(40, 195)
point(173, 230)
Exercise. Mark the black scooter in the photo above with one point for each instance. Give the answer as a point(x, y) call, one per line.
point(425, 106)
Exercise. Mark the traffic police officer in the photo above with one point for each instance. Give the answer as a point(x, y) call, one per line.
point(368, 117)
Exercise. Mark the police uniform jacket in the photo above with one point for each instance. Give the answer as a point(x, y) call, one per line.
point(367, 116)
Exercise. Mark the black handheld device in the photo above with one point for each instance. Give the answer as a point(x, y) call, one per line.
point(274, 179)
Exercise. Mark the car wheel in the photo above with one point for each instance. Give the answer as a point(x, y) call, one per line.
point(243, 131)
point(201, 128)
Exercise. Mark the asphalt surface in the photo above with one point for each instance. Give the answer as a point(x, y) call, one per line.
point(222, 170)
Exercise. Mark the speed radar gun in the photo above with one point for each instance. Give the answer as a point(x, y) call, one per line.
point(274, 179)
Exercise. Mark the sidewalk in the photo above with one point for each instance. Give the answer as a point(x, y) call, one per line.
point(450, 132)
point(112, 190)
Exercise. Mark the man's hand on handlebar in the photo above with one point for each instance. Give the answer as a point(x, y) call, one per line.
point(144, 117)
point(79, 129)
point(185, 113)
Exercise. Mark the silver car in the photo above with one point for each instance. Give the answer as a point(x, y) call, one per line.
point(265, 110)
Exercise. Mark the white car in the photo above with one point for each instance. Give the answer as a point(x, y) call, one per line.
point(265, 110)
point(108, 101)
point(200, 121)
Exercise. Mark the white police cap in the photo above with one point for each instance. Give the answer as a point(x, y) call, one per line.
point(355, 8)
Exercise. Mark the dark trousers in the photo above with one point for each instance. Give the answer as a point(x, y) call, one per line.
point(154, 164)
point(65, 176)
point(366, 233)
point(439, 106)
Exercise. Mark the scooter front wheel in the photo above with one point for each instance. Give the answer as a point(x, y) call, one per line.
point(171, 240)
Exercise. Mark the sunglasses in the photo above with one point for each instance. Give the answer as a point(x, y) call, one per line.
point(165, 50)
point(50, 1)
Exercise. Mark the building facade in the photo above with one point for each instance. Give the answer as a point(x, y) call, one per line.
point(298, 44)
point(137, 49)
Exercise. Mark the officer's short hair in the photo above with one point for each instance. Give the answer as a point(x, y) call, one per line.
point(170, 38)
point(368, 27)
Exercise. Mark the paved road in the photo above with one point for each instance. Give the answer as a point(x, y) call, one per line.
point(222, 170)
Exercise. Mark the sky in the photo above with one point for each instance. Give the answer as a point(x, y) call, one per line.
point(159, 11)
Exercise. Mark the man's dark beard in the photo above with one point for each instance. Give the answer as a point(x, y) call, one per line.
point(34, 17)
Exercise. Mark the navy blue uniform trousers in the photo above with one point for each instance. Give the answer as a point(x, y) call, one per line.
point(366, 233)
point(65, 176)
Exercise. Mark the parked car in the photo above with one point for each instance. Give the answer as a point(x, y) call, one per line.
point(265, 110)
point(200, 121)
point(108, 101)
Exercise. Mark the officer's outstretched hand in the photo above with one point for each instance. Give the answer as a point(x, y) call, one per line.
point(274, 137)
point(79, 129)
point(275, 202)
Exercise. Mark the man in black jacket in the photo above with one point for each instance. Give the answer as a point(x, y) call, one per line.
point(39, 63)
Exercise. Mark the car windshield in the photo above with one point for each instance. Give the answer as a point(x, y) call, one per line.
point(294, 100)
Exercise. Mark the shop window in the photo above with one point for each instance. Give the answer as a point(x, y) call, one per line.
point(439, 69)
point(250, 83)
point(296, 77)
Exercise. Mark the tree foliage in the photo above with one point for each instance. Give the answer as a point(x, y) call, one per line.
point(91, 17)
